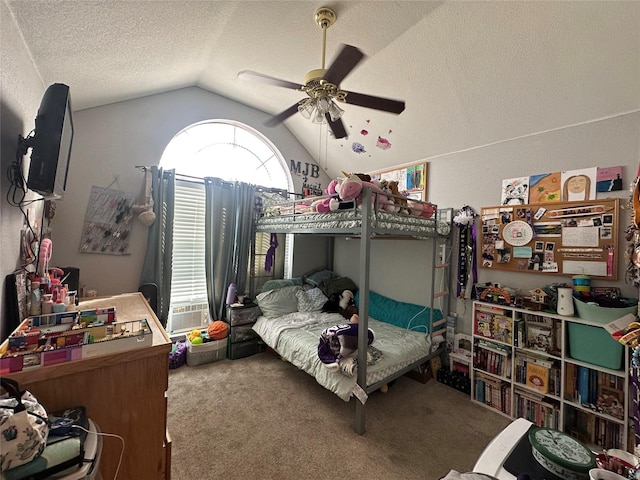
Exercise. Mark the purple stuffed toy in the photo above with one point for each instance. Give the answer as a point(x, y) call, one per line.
point(339, 342)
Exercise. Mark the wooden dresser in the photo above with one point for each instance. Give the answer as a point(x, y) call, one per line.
point(124, 394)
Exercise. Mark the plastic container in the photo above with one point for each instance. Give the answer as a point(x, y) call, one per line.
point(593, 344)
point(35, 306)
point(205, 352)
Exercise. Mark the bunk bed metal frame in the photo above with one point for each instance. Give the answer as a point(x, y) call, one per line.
point(365, 229)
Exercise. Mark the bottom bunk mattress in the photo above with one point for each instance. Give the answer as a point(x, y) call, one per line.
point(296, 336)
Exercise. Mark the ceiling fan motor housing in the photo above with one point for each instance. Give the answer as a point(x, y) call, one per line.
point(325, 17)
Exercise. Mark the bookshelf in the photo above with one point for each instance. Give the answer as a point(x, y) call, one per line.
point(522, 367)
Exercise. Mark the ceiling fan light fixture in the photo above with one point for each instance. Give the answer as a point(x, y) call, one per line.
point(335, 112)
point(318, 117)
point(306, 108)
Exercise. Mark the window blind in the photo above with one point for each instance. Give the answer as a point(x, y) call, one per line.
point(188, 281)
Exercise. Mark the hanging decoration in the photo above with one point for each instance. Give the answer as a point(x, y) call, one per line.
point(467, 264)
point(271, 253)
point(107, 223)
point(144, 208)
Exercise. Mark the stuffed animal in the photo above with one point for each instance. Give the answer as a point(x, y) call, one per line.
point(350, 188)
point(330, 204)
point(420, 209)
point(340, 342)
point(342, 304)
point(398, 198)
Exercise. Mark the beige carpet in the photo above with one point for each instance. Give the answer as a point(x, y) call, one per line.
point(260, 417)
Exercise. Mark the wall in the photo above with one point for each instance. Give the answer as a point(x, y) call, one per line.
point(110, 141)
point(22, 89)
point(474, 177)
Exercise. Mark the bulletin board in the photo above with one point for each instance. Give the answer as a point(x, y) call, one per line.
point(412, 180)
point(565, 238)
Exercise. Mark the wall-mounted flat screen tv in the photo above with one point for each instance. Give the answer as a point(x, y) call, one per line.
point(51, 143)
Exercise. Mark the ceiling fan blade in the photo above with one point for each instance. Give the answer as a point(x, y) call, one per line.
point(267, 79)
point(282, 116)
point(346, 61)
point(377, 103)
point(336, 127)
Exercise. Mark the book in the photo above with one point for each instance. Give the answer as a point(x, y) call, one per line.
point(483, 324)
point(540, 337)
point(502, 329)
point(583, 384)
point(537, 377)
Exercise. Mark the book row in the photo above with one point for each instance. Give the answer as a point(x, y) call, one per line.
point(494, 393)
point(492, 360)
point(599, 391)
point(536, 410)
point(541, 375)
point(594, 430)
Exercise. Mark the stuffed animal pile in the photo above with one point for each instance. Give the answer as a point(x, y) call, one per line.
point(346, 193)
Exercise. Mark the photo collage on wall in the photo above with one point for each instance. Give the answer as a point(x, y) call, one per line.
point(568, 238)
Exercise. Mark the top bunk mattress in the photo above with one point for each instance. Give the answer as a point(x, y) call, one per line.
point(296, 336)
point(298, 217)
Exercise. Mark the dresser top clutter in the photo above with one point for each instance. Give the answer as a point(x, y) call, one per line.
point(122, 386)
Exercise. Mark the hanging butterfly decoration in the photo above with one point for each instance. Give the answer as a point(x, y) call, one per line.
point(465, 221)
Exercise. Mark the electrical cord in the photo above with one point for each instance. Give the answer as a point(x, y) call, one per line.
point(102, 434)
point(16, 195)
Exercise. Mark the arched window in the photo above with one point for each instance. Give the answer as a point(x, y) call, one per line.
point(228, 150)
point(224, 149)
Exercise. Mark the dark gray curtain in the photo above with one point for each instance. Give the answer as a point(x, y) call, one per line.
point(228, 235)
point(157, 262)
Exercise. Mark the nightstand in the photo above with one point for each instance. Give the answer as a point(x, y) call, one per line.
point(243, 340)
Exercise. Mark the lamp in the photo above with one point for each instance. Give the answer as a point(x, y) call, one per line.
point(316, 108)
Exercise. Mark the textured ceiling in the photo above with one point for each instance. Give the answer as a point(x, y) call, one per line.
point(471, 73)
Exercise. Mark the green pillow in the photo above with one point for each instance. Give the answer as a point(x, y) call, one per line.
point(400, 314)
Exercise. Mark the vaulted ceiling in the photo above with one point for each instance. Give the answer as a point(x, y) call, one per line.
point(471, 73)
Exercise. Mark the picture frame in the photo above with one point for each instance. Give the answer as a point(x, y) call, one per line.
point(462, 344)
point(412, 179)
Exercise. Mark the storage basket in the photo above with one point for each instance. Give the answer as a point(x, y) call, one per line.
point(178, 355)
point(603, 315)
point(206, 352)
point(593, 344)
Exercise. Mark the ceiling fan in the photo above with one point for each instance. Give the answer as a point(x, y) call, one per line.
point(323, 86)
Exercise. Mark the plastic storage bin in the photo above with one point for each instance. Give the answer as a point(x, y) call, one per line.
point(593, 344)
point(242, 314)
point(243, 349)
point(206, 352)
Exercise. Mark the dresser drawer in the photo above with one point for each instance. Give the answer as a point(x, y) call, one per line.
point(242, 333)
point(242, 315)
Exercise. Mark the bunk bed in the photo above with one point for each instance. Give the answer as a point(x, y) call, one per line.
point(369, 218)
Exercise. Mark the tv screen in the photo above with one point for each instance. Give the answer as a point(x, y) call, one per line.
point(51, 143)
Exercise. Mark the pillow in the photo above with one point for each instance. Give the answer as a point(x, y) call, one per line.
point(315, 277)
point(311, 300)
point(338, 285)
point(278, 284)
point(276, 303)
point(400, 314)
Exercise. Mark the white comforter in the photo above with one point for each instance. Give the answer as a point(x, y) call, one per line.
point(295, 337)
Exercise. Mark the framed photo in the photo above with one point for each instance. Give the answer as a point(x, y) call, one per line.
point(462, 344)
point(412, 180)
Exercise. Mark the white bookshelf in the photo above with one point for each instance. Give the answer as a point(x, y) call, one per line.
point(499, 378)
